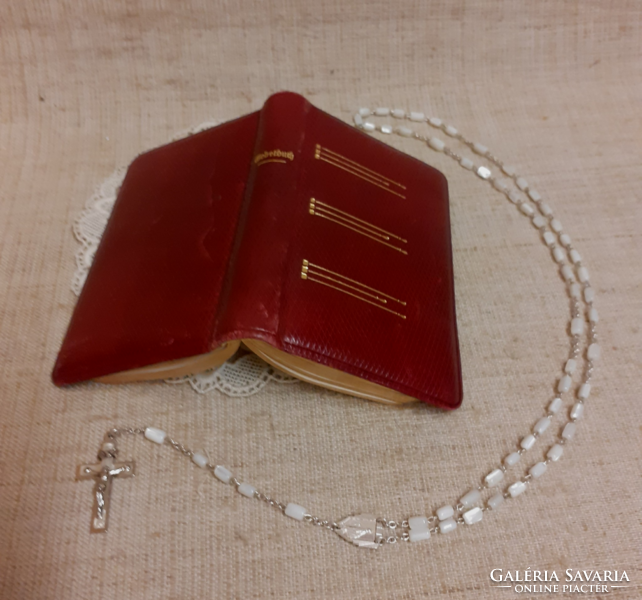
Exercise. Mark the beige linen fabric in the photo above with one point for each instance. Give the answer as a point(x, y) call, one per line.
point(554, 87)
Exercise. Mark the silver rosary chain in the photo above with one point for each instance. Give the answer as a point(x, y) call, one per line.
point(575, 277)
point(531, 205)
point(113, 434)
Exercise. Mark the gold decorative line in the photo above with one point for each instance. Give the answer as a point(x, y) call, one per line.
point(343, 212)
point(315, 208)
point(343, 283)
point(366, 173)
point(339, 157)
point(306, 264)
point(270, 160)
point(372, 237)
point(352, 172)
point(334, 287)
point(319, 152)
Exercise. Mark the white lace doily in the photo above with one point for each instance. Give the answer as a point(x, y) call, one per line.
point(243, 374)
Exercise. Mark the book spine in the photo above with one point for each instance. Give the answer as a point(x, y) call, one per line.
point(250, 303)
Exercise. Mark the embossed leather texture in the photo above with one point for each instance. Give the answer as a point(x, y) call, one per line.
point(286, 226)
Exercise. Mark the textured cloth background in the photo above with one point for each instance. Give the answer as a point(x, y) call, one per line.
point(553, 87)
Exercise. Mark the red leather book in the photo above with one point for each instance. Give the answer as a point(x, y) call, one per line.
point(323, 250)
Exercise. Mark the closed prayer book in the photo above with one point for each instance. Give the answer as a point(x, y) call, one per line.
point(322, 250)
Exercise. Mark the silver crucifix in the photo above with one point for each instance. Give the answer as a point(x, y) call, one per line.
point(103, 473)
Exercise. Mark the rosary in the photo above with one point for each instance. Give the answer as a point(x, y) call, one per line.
point(369, 531)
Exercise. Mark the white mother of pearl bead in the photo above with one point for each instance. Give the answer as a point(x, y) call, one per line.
point(479, 149)
point(484, 172)
point(436, 144)
point(247, 490)
point(515, 197)
point(555, 405)
point(386, 129)
point(512, 459)
point(448, 525)
point(583, 274)
point(526, 209)
point(577, 326)
point(565, 239)
point(539, 222)
point(223, 474)
point(521, 183)
point(398, 113)
point(494, 477)
point(369, 126)
point(509, 170)
point(593, 352)
point(549, 238)
point(538, 469)
point(474, 515)
point(517, 488)
point(535, 195)
point(467, 163)
point(435, 122)
point(419, 536)
point(405, 131)
point(575, 290)
point(558, 255)
point(564, 384)
point(155, 435)
point(418, 523)
point(593, 315)
point(555, 452)
point(358, 120)
point(570, 366)
point(556, 226)
point(450, 130)
point(589, 294)
point(567, 273)
point(569, 431)
point(545, 209)
point(500, 185)
point(199, 459)
point(575, 256)
point(417, 116)
point(584, 391)
point(295, 511)
point(577, 412)
point(542, 425)
point(528, 441)
point(471, 498)
point(445, 512)
point(364, 112)
point(382, 111)
point(494, 502)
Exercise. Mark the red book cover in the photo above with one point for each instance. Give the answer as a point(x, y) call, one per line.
point(286, 227)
